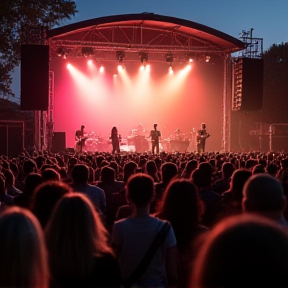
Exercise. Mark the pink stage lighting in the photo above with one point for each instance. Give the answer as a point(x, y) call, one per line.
point(120, 68)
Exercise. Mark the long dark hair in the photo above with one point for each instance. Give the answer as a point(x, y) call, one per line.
point(182, 207)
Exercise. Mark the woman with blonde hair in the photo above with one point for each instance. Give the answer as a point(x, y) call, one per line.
point(79, 254)
point(23, 261)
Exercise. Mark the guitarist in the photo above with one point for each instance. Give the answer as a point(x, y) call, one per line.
point(202, 135)
point(155, 135)
point(80, 140)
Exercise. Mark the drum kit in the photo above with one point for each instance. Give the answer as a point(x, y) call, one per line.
point(95, 142)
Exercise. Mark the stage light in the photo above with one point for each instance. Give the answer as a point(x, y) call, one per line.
point(120, 55)
point(207, 59)
point(188, 67)
point(69, 66)
point(61, 53)
point(87, 51)
point(120, 68)
point(147, 68)
point(191, 57)
point(170, 70)
point(169, 58)
point(143, 57)
point(89, 62)
point(101, 69)
point(142, 68)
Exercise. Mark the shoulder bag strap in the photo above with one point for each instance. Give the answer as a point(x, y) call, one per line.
point(143, 265)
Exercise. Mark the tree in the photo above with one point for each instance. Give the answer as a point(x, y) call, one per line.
point(275, 105)
point(16, 17)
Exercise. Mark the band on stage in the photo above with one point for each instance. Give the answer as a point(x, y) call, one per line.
point(139, 140)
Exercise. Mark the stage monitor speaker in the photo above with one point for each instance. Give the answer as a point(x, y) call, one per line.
point(249, 84)
point(59, 142)
point(34, 77)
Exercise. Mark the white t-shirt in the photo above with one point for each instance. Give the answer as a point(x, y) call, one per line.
point(133, 237)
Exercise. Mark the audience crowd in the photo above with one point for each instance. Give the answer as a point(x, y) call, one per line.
point(217, 219)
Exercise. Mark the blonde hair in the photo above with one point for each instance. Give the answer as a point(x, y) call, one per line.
point(23, 257)
point(75, 235)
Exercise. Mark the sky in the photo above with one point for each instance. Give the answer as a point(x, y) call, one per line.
point(268, 18)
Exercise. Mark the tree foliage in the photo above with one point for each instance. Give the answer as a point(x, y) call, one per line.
point(275, 105)
point(277, 53)
point(15, 19)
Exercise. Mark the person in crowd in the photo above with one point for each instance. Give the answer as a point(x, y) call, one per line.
point(50, 174)
point(231, 202)
point(113, 164)
point(45, 197)
point(31, 182)
point(5, 199)
point(201, 178)
point(223, 184)
point(169, 171)
point(80, 176)
point(77, 242)
point(99, 160)
point(272, 169)
point(11, 190)
point(263, 194)
point(250, 163)
point(28, 166)
point(115, 138)
point(155, 135)
point(190, 166)
point(14, 167)
point(259, 168)
point(242, 251)
point(23, 261)
point(182, 207)
point(119, 198)
point(40, 161)
point(151, 169)
point(110, 186)
point(132, 237)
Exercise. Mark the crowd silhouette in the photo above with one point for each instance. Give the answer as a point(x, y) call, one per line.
point(212, 219)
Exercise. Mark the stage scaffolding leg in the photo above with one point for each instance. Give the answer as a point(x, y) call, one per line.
point(226, 103)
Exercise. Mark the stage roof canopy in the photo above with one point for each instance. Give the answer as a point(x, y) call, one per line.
point(131, 35)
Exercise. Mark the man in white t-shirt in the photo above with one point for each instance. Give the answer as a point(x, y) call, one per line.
point(132, 237)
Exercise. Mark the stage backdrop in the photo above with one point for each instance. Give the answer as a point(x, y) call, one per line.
point(183, 100)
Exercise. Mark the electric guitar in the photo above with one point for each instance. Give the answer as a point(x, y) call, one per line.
point(202, 137)
point(81, 140)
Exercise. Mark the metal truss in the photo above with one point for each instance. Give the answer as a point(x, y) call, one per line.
point(254, 46)
point(105, 41)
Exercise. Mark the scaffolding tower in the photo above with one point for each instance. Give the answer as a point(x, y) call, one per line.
point(253, 46)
